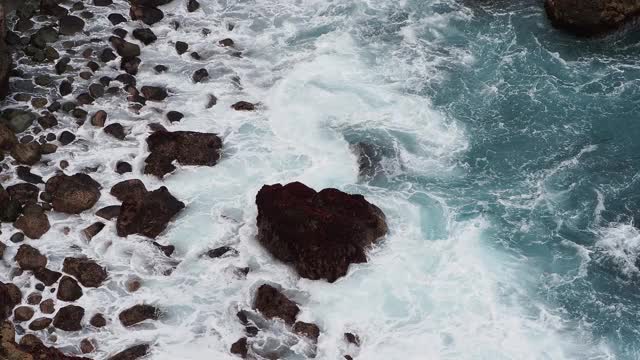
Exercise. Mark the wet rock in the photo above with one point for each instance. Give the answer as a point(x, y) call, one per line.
point(17, 238)
point(79, 114)
point(590, 18)
point(85, 75)
point(166, 249)
point(47, 306)
point(23, 313)
point(98, 321)
point(66, 137)
point(138, 314)
point(126, 79)
point(34, 298)
point(181, 47)
point(93, 66)
point(44, 36)
point(7, 301)
point(147, 14)
point(123, 167)
point(47, 121)
point(222, 251)
point(121, 33)
point(24, 173)
point(17, 120)
point(160, 68)
point(69, 25)
point(306, 329)
point(87, 53)
point(39, 102)
point(85, 99)
point(62, 65)
point(200, 75)
point(130, 65)
point(96, 90)
point(33, 222)
point(240, 348)
point(154, 93)
point(51, 7)
point(116, 130)
point(109, 212)
point(226, 42)
point(243, 106)
point(335, 227)
point(133, 190)
point(48, 277)
point(125, 48)
point(193, 5)
point(132, 353)
point(352, 339)
point(116, 19)
point(7, 138)
point(40, 324)
point(145, 36)
point(86, 346)
point(150, 216)
point(73, 194)
point(272, 303)
point(27, 154)
point(188, 148)
point(68, 289)
point(92, 230)
point(29, 258)
point(24, 193)
point(3, 247)
point(107, 55)
point(99, 118)
point(174, 116)
point(69, 318)
point(65, 88)
point(87, 271)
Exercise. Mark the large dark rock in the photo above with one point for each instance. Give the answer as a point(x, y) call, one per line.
point(69, 318)
point(7, 138)
point(68, 289)
point(132, 353)
point(46, 276)
point(51, 7)
point(34, 222)
point(29, 258)
point(87, 271)
point(148, 216)
point(30, 347)
point(146, 35)
point(69, 25)
point(240, 348)
point(272, 303)
point(73, 194)
point(7, 301)
point(17, 120)
point(154, 93)
point(312, 331)
point(187, 147)
point(132, 189)
point(319, 233)
point(137, 314)
point(125, 48)
point(24, 193)
point(591, 17)
point(27, 154)
point(147, 14)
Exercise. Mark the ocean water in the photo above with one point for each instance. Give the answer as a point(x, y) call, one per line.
point(508, 176)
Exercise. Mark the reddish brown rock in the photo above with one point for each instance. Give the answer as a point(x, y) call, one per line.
point(73, 194)
point(185, 147)
point(68, 289)
point(40, 324)
point(23, 193)
point(87, 271)
point(312, 331)
point(150, 216)
point(86, 346)
point(34, 222)
point(133, 190)
point(30, 347)
point(591, 17)
point(69, 318)
point(23, 313)
point(29, 258)
point(273, 304)
point(98, 321)
point(47, 306)
point(319, 233)
point(48, 277)
point(7, 301)
point(92, 230)
point(137, 314)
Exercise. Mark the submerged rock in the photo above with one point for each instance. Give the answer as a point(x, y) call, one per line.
point(187, 147)
point(591, 17)
point(137, 314)
point(319, 233)
point(272, 303)
point(73, 194)
point(148, 216)
point(132, 353)
point(240, 348)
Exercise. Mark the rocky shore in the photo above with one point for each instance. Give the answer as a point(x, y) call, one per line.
point(61, 70)
point(591, 17)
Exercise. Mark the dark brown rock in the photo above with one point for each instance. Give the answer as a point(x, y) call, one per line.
point(187, 147)
point(7, 138)
point(133, 189)
point(200, 75)
point(98, 321)
point(132, 353)
point(34, 222)
point(47, 306)
point(138, 314)
point(92, 230)
point(69, 25)
point(87, 271)
point(193, 5)
point(48, 277)
point(34, 298)
point(23, 313)
point(7, 301)
point(116, 130)
point(243, 106)
point(181, 47)
point(69, 318)
point(29, 258)
point(130, 65)
point(352, 339)
point(86, 346)
point(174, 116)
point(73, 194)
point(154, 93)
point(109, 212)
point(123, 167)
point(40, 324)
point(125, 48)
point(145, 36)
point(116, 18)
point(150, 216)
point(24, 193)
point(99, 118)
point(319, 233)
point(240, 348)
point(272, 303)
point(27, 154)
point(226, 42)
point(591, 17)
point(68, 289)
point(312, 331)
point(147, 14)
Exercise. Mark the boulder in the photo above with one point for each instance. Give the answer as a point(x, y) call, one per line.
point(109, 212)
point(116, 130)
point(98, 321)
point(312, 331)
point(187, 147)
point(240, 348)
point(68, 289)
point(243, 106)
point(319, 233)
point(69, 318)
point(145, 35)
point(193, 5)
point(181, 47)
point(24, 193)
point(591, 17)
point(24, 173)
point(132, 353)
point(47, 306)
point(29, 258)
point(138, 314)
point(7, 138)
point(369, 159)
point(7, 303)
point(147, 14)
point(133, 189)
point(51, 7)
point(73, 194)
point(99, 118)
point(17, 120)
point(27, 154)
point(154, 93)
point(30, 347)
point(273, 304)
point(34, 222)
point(116, 18)
point(92, 230)
point(87, 271)
point(200, 75)
point(40, 324)
point(149, 216)
point(48, 277)
point(69, 25)
point(130, 65)
point(174, 116)
point(23, 313)
point(124, 48)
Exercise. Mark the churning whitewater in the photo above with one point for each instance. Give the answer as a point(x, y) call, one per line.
point(506, 157)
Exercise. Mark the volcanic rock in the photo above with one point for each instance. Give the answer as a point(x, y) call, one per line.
point(87, 271)
point(149, 216)
point(137, 314)
point(187, 147)
point(73, 194)
point(272, 303)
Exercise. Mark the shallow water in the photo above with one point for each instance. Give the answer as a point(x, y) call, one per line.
point(508, 180)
